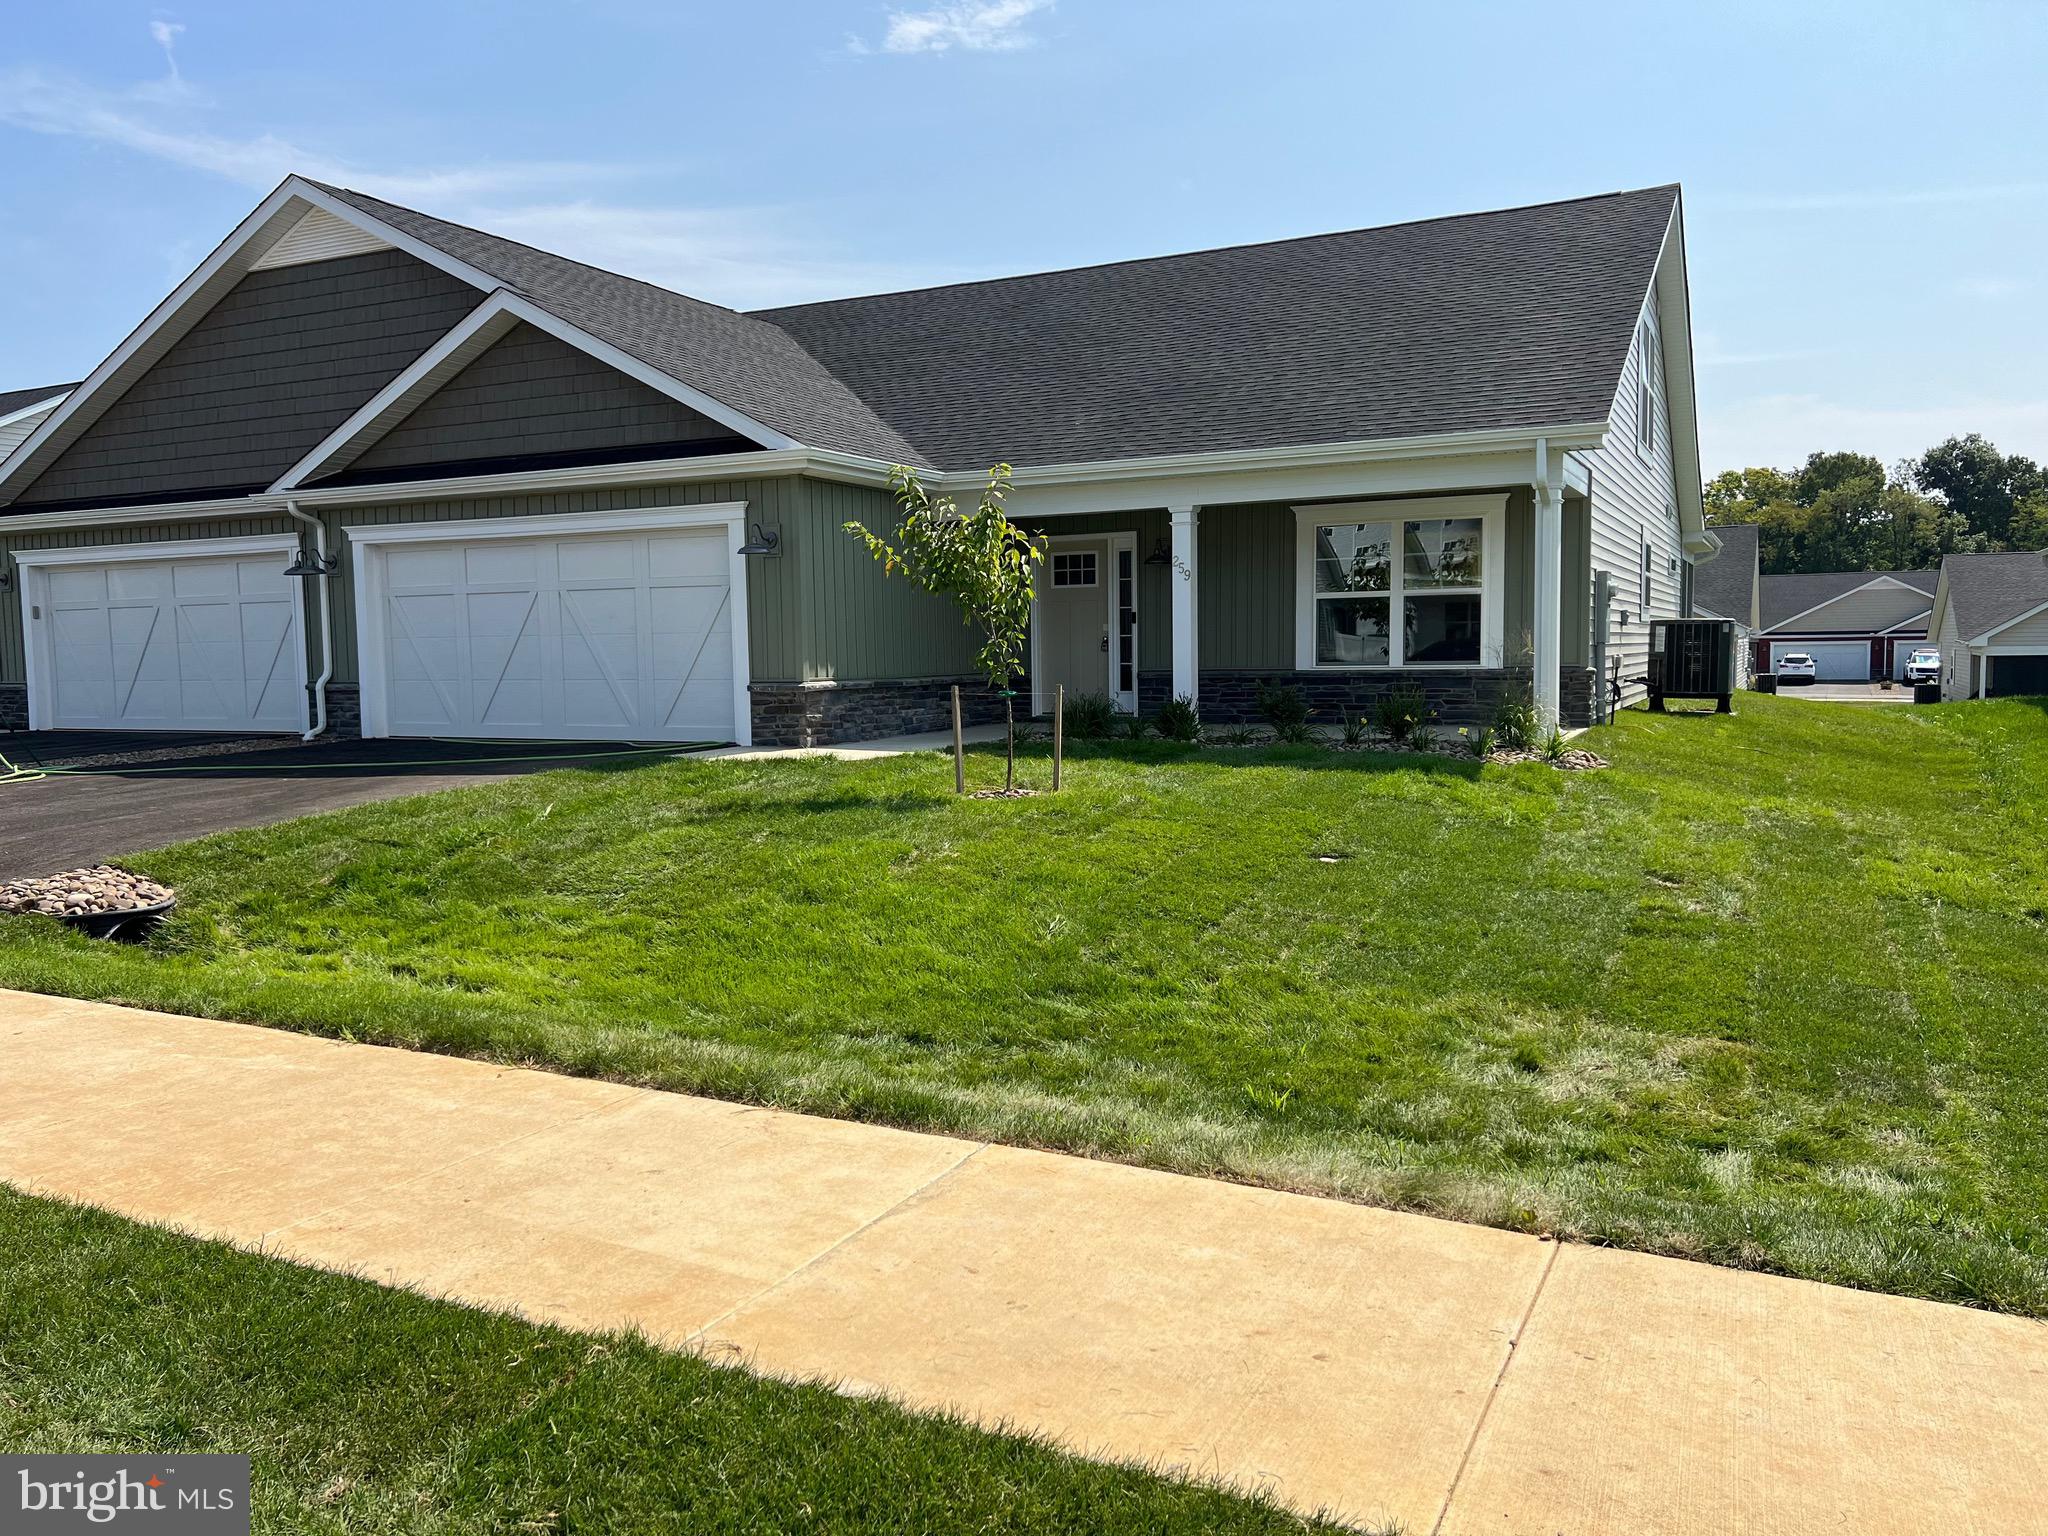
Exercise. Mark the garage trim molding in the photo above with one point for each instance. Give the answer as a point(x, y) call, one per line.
point(371, 651)
point(30, 560)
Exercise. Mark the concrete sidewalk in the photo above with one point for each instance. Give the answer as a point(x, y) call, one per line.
point(1385, 1366)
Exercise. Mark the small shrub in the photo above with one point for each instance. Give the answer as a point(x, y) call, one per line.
point(1423, 738)
point(1135, 728)
point(1238, 736)
point(1554, 747)
point(1399, 712)
point(1090, 716)
point(1514, 717)
point(1179, 720)
point(1480, 741)
point(1286, 709)
point(1354, 730)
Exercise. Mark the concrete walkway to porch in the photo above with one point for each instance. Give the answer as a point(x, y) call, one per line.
point(1389, 1367)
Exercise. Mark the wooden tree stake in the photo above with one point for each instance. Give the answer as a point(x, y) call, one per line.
point(959, 748)
point(1059, 732)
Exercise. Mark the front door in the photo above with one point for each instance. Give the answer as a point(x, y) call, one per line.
point(1073, 618)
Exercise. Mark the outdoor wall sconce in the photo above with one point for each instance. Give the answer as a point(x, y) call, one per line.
point(6, 576)
point(313, 565)
point(1160, 555)
point(766, 541)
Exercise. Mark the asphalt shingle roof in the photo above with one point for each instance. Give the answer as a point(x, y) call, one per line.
point(1726, 584)
point(12, 400)
point(1985, 591)
point(745, 363)
point(1520, 318)
point(1785, 597)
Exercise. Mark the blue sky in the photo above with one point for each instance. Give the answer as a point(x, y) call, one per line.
point(1866, 184)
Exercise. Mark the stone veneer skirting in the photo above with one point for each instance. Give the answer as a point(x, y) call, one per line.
point(1456, 698)
point(344, 710)
point(13, 706)
point(826, 713)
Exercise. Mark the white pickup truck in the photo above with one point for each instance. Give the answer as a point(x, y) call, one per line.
point(1924, 666)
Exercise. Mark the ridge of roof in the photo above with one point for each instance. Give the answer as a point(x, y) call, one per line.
point(1986, 591)
point(1220, 250)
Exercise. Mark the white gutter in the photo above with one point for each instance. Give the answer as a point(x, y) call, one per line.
point(325, 578)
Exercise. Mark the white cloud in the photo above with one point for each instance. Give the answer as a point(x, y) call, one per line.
point(1783, 429)
point(978, 26)
point(748, 258)
point(745, 257)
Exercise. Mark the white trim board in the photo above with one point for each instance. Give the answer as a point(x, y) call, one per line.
point(35, 562)
point(366, 539)
point(1491, 510)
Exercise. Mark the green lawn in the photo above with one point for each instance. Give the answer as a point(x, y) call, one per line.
point(1770, 991)
point(370, 1411)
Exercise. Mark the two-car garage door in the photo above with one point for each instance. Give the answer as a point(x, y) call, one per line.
point(1834, 661)
point(603, 637)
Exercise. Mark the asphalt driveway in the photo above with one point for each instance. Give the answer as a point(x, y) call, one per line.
point(108, 794)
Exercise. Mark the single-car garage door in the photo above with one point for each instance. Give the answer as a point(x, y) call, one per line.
point(165, 642)
point(1834, 661)
point(595, 638)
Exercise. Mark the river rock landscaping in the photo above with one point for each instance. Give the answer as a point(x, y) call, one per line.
point(77, 892)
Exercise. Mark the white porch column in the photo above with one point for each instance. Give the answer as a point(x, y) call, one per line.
point(1186, 639)
point(1549, 605)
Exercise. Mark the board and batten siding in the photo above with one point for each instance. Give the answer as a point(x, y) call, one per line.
point(856, 624)
point(266, 373)
point(1635, 500)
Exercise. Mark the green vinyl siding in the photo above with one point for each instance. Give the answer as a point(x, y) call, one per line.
point(1245, 557)
point(853, 622)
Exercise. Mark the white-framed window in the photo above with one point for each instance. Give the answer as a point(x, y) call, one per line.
point(1413, 583)
point(1649, 383)
point(1073, 568)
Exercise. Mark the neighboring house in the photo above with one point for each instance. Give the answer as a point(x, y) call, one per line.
point(1857, 625)
point(1725, 585)
point(564, 503)
point(1991, 623)
point(23, 410)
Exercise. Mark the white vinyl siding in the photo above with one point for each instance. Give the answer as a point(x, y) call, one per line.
point(1955, 657)
point(2033, 631)
point(1871, 609)
point(319, 236)
point(14, 433)
point(1635, 502)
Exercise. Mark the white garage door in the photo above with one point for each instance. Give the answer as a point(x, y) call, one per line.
point(183, 643)
point(597, 638)
point(1834, 661)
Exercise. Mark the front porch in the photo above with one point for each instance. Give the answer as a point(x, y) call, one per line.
point(1347, 600)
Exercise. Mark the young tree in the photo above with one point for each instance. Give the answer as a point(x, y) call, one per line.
point(980, 559)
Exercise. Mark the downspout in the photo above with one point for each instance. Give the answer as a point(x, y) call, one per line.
point(291, 510)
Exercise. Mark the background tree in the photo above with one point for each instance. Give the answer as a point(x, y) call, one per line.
point(1979, 484)
point(1847, 512)
point(980, 559)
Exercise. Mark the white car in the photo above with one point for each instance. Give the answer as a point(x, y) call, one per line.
point(1795, 667)
point(1924, 666)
